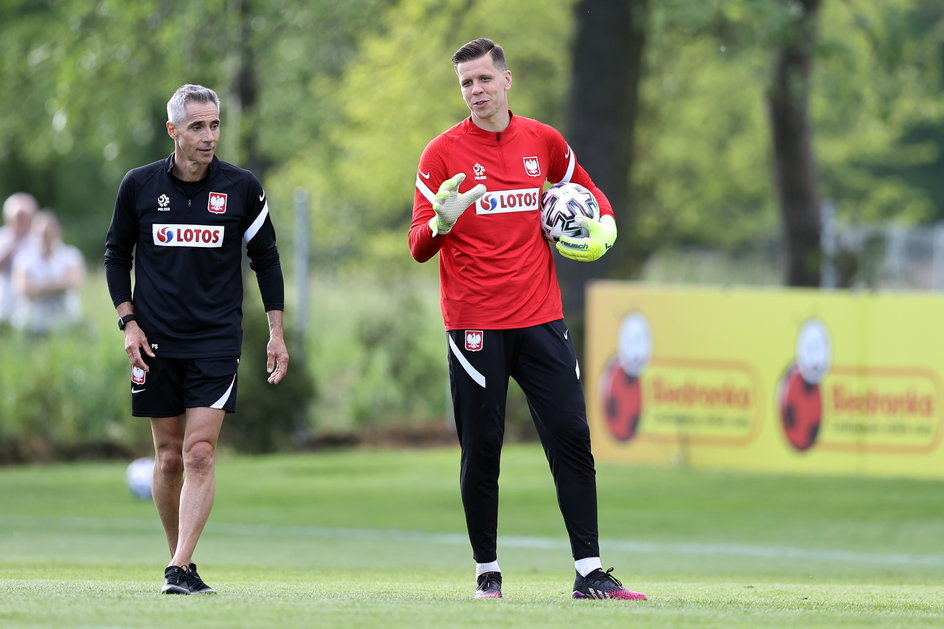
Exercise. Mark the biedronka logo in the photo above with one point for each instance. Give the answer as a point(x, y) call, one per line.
point(856, 408)
point(668, 400)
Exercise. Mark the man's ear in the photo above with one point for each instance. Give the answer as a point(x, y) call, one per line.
point(171, 129)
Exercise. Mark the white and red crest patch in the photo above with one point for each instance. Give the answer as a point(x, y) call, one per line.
point(137, 375)
point(217, 203)
point(532, 166)
point(474, 340)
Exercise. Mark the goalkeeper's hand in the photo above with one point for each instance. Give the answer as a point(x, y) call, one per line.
point(449, 204)
point(601, 236)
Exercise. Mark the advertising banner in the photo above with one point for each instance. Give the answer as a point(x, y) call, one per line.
point(784, 380)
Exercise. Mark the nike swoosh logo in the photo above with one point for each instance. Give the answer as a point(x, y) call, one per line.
point(262, 197)
point(425, 175)
point(566, 333)
point(567, 153)
point(138, 390)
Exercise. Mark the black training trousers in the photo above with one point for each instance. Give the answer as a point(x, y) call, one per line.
point(542, 361)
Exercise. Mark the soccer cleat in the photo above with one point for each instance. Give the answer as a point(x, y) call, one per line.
point(175, 581)
point(599, 584)
point(488, 585)
point(195, 583)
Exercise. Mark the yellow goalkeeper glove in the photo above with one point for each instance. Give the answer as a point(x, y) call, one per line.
point(449, 204)
point(601, 236)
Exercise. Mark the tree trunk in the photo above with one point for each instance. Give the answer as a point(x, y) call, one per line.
point(794, 164)
point(601, 114)
point(245, 91)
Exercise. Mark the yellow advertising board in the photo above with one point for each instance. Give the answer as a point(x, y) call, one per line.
point(800, 381)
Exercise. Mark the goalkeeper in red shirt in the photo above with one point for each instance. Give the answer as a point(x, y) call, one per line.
point(477, 203)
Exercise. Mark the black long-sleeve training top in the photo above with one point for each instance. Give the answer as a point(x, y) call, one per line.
point(187, 238)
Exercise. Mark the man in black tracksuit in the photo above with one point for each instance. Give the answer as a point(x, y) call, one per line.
point(186, 218)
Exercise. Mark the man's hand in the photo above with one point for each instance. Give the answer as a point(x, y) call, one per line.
point(449, 204)
point(276, 359)
point(276, 352)
point(602, 235)
point(136, 344)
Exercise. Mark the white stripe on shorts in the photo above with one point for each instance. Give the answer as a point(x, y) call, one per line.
point(220, 402)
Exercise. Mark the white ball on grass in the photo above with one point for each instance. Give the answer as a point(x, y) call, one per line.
point(138, 476)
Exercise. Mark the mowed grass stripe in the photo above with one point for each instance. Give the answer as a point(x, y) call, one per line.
point(505, 541)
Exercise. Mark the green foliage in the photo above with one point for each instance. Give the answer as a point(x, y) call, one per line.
point(879, 117)
point(377, 352)
point(92, 78)
point(268, 417)
point(65, 396)
point(702, 172)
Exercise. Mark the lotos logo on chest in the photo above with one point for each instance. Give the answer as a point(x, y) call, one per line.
point(217, 202)
point(502, 201)
point(204, 236)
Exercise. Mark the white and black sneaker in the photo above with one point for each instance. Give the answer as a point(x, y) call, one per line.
point(195, 583)
point(175, 581)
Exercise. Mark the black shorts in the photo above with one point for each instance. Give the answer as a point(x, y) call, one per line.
point(175, 384)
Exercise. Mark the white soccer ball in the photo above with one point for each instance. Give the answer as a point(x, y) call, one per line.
point(138, 475)
point(561, 204)
point(813, 351)
point(634, 344)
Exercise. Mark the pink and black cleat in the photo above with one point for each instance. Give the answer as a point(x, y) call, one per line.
point(488, 585)
point(599, 584)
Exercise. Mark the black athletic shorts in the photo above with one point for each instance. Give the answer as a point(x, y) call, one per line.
point(175, 384)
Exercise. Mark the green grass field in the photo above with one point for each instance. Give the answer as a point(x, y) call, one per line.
point(376, 539)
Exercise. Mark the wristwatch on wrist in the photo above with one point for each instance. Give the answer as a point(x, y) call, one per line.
point(125, 320)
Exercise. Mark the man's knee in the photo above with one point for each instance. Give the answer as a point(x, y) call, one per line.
point(199, 457)
point(170, 460)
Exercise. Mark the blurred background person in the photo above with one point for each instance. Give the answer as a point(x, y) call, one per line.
point(15, 237)
point(46, 278)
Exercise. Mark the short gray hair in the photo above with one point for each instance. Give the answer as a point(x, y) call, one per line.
point(177, 105)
